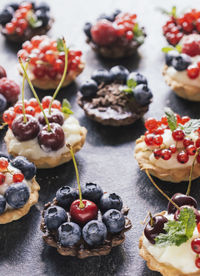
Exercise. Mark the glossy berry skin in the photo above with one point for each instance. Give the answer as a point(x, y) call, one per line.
point(166, 154)
point(3, 164)
point(5, 155)
point(69, 234)
point(18, 177)
point(17, 195)
point(119, 73)
point(102, 75)
point(25, 131)
point(157, 153)
point(195, 245)
point(181, 62)
point(197, 262)
point(180, 200)
point(56, 116)
point(65, 196)
point(196, 212)
point(2, 204)
point(2, 72)
point(2, 178)
point(3, 103)
point(187, 142)
point(89, 88)
point(139, 78)
point(182, 157)
point(43, 16)
point(151, 231)
point(25, 166)
point(151, 124)
point(142, 94)
point(178, 135)
point(193, 71)
point(110, 201)
point(87, 29)
point(94, 233)
point(83, 215)
point(191, 150)
point(103, 32)
point(114, 221)
point(5, 16)
point(54, 216)
point(170, 56)
point(172, 148)
point(191, 45)
point(92, 192)
point(149, 139)
point(9, 89)
point(158, 140)
point(51, 140)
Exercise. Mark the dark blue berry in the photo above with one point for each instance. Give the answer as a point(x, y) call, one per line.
point(17, 195)
point(110, 201)
point(3, 103)
point(87, 28)
point(181, 62)
point(89, 88)
point(114, 221)
point(169, 57)
point(6, 16)
point(54, 216)
point(65, 196)
point(69, 234)
point(119, 73)
point(13, 5)
point(101, 75)
point(43, 16)
point(139, 78)
point(42, 6)
point(142, 94)
point(116, 12)
point(6, 155)
point(94, 233)
point(28, 168)
point(2, 204)
point(92, 192)
point(110, 17)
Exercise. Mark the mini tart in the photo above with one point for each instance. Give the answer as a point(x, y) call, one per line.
point(82, 250)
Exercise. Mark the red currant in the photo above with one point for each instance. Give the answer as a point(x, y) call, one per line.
point(151, 124)
point(159, 130)
point(10, 28)
point(195, 244)
point(158, 140)
point(172, 148)
point(8, 116)
point(50, 56)
point(193, 71)
point(197, 262)
point(39, 71)
point(178, 135)
point(2, 178)
point(30, 110)
point(185, 119)
point(187, 142)
point(149, 139)
point(33, 102)
point(3, 164)
point(166, 154)
point(157, 153)
point(36, 40)
point(18, 177)
point(56, 104)
point(198, 227)
point(164, 120)
point(182, 157)
point(18, 108)
point(129, 35)
point(46, 101)
point(191, 150)
point(197, 143)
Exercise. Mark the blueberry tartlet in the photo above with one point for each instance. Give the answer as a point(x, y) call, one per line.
point(115, 97)
point(21, 22)
point(47, 62)
point(169, 147)
point(115, 36)
point(18, 188)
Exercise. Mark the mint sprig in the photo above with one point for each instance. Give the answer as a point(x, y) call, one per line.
point(60, 45)
point(66, 107)
point(178, 231)
point(138, 33)
point(167, 49)
point(33, 20)
point(130, 85)
point(173, 11)
point(171, 118)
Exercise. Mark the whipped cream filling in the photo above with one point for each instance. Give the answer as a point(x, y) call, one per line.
point(180, 257)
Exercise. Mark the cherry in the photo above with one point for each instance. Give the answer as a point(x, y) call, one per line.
point(85, 214)
point(151, 124)
point(24, 131)
point(195, 244)
point(3, 163)
point(154, 227)
point(197, 262)
point(191, 150)
point(196, 212)
point(180, 200)
point(182, 157)
point(2, 72)
point(18, 177)
point(51, 140)
point(166, 154)
point(178, 135)
point(2, 178)
point(56, 116)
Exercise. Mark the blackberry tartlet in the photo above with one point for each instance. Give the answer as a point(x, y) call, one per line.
point(21, 22)
point(115, 36)
point(115, 97)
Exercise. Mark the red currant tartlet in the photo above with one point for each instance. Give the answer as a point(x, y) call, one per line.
point(47, 62)
point(115, 36)
point(21, 22)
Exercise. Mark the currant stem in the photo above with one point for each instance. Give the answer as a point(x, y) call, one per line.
point(23, 83)
point(35, 94)
point(63, 76)
point(166, 196)
point(81, 206)
point(191, 171)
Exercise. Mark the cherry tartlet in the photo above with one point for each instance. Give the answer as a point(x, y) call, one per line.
point(18, 188)
point(115, 36)
point(116, 97)
point(47, 61)
point(170, 147)
point(21, 22)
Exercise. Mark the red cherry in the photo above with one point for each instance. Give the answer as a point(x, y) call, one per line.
point(182, 157)
point(103, 32)
point(172, 148)
point(187, 142)
point(166, 154)
point(149, 139)
point(3, 164)
point(193, 71)
point(197, 262)
point(178, 135)
point(151, 124)
point(2, 178)
point(191, 150)
point(18, 177)
point(195, 244)
point(157, 153)
point(83, 215)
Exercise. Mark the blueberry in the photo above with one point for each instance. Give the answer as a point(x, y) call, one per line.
point(2, 204)
point(107, 17)
point(54, 216)
point(114, 221)
point(181, 62)
point(13, 5)
point(94, 232)
point(17, 195)
point(169, 57)
point(43, 16)
point(116, 12)
point(2, 154)
point(89, 88)
point(42, 6)
point(65, 196)
point(28, 168)
point(3, 103)
point(119, 73)
point(69, 234)
point(139, 78)
point(101, 75)
point(87, 28)
point(110, 201)
point(142, 94)
point(92, 192)
point(6, 16)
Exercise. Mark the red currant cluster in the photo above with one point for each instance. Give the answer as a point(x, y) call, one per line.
point(176, 27)
point(195, 245)
point(153, 137)
point(46, 59)
point(17, 177)
point(125, 23)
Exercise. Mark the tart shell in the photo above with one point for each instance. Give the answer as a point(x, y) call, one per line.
point(15, 214)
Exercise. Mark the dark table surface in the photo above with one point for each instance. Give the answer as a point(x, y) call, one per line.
point(107, 157)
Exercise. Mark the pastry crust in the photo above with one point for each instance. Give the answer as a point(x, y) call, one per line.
point(54, 161)
point(173, 175)
point(15, 214)
point(188, 92)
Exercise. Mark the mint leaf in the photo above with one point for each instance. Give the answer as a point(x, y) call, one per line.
point(190, 126)
point(138, 34)
point(171, 118)
point(66, 107)
point(167, 49)
point(131, 83)
point(187, 217)
point(33, 21)
point(60, 45)
point(178, 48)
point(127, 90)
point(173, 12)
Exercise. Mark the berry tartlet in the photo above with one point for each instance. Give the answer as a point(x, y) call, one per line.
point(47, 62)
point(84, 227)
point(115, 36)
point(18, 188)
point(21, 22)
point(182, 69)
point(169, 147)
point(116, 97)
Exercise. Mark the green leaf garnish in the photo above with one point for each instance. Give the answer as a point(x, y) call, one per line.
point(127, 90)
point(138, 34)
point(33, 21)
point(178, 48)
point(171, 118)
point(131, 83)
point(171, 48)
point(190, 126)
point(178, 232)
point(173, 12)
point(60, 45)
point(66, 107)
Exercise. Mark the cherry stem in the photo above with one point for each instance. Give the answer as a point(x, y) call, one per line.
point(166, 196)
point(81, 206)
point(34, 93)
point(63, 76)
point(23, 83)
point(191, 171)
point(3, 125)
point(151, 219)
